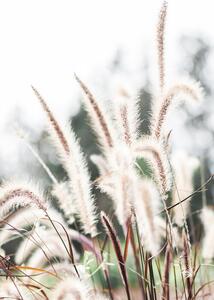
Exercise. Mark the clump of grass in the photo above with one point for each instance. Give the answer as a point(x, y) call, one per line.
point(46, 264)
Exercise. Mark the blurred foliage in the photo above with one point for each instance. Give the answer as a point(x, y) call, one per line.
point(196, 54)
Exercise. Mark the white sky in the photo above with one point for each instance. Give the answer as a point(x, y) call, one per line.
point(43, 42)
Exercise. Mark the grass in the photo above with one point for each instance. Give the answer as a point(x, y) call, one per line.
point(75, 251)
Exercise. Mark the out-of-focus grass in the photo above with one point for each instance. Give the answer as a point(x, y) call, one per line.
point(204, 274)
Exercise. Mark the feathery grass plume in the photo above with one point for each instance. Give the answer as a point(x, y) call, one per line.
point(42, 248)
point(74, 163)
point(21, 219)
point(36, 240)
point(14, 290)
point(181, 91)
point(65, 268)
point(100, 162)
point(164, 231)
point(123, 198)
point(71, 288)
point(80, 186)
point(25, 221)
point(146, 204)
point(165, 281)
point(118, 181)
point(123, 178)
point(116, 244)
point(183, 167)
point(59, 135)
point(44, 240)
point(17, 195)
point(121, 184)
point(106, 185)
point(207, 218)
point(64, 199)
point(40, 259)
point(154, 151)
point(160, 44)
point(127, 117)
point(105, 181)
point(100, 119)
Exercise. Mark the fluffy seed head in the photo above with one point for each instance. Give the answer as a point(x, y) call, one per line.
point(14, 195)
point(155, 153)
point(183, 167)
point(71, 288)
point(160, 43)
point(180, 91)
point(65, 200)
point(99, 118)
point(207, 217)
point(26, 218)
point(54, 126)
point(146, 203)
point(41, 246)
point(80, 187)
point(127, 117)
point(74, 163)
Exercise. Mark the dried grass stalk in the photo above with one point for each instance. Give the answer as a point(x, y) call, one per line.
point(166, 275)
point(116, 244)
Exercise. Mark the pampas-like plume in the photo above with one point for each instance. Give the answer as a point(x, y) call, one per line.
point(99, 118)
point(65, 268)
point(105, 181)
point(26, 218)
point(124, 194)
point(100, 163)
point(187, 90)
point(14, 290)
point(21, 219)
point(63, 143)
point(60, 138)
point(18, 195)
point(123, 180)
point(41, 247)
point(155, 153)
point(207, 218)
point(64, 199)
point(146, 205)
point(81, 189)
point(183, 168)
point(41, 238)
point(160, 43)
point(74, 163)
point(127, 117)
point(118, 181)
point(164, 231)
point(71, 288)
point(31, 218)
